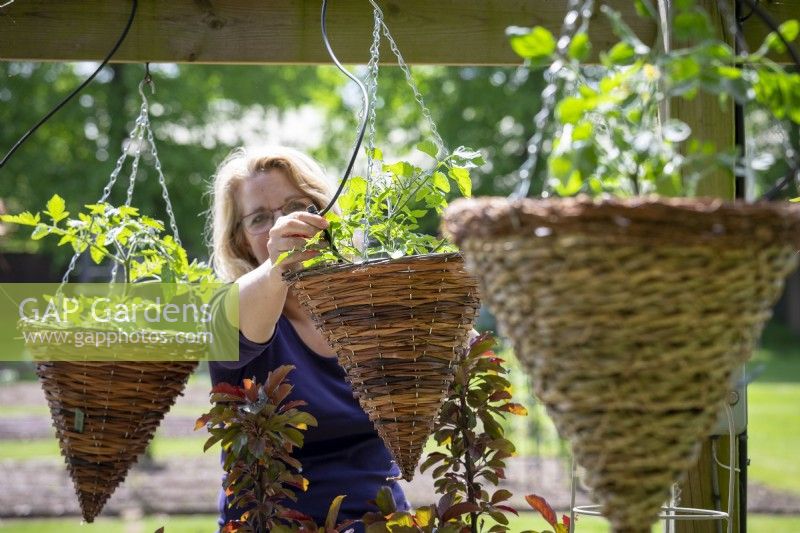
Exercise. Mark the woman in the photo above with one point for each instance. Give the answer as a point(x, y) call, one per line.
point(259, 211)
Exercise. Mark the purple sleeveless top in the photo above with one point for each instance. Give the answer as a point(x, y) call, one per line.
point(343, 454)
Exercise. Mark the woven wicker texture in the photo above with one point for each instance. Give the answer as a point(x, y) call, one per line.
point(630, 317)
point(396, 326)
point(122, 406)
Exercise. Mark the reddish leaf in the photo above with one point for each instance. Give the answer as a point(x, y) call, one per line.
point(202, 421)
point(514, 409)
point(480, 344)
point(250, 390)
point(507, 509)
point(500, 395)
point(459, 509)
point(276, 377)
point(232, 526)
point(291, 405)
point(541, 505)
point(159, 530)
point(227, 388)
point(565, 520)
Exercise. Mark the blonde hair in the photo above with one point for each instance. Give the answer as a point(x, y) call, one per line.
point(230, 257)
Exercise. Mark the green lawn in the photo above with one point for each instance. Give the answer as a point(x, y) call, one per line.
point(206, 524)
point(774, 412)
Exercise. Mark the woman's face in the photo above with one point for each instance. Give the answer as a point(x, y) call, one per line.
point(258, 199)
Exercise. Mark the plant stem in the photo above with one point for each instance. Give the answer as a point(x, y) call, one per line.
point(469, 468)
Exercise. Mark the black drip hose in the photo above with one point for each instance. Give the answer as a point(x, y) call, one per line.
point(80, 87)
point(365, 109)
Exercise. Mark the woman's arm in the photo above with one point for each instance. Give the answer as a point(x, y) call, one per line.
point(262, 291)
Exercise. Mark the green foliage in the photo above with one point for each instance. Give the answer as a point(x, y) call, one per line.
point(608, 138)
point(381, 218)
point(119, 234)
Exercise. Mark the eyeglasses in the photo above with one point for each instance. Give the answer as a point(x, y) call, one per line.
point(262, 221)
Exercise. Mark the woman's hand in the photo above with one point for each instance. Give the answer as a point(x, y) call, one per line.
point(290, 232)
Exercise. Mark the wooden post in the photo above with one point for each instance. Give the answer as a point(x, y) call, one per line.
point(709, 122)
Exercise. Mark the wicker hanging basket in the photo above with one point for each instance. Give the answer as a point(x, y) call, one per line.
point(396, 326)
point(105, 413)
point(630, 317)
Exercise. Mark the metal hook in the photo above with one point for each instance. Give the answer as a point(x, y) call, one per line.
point(148, 80)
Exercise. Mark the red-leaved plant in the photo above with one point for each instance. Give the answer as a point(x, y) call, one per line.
point(258, 432)
point(469, 430)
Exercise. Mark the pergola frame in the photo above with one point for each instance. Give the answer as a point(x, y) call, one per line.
point(443, 32)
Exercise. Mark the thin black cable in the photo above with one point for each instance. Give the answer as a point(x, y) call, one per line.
point(76, 91)
point(365, 110)
point(742, 19)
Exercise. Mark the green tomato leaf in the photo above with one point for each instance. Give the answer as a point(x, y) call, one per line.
point(579, 47)
point(441, 182)
point(536, 44)
point(55, 208)
point(621, 53)
point(570, 110)
point(25, 218)
point(40, 231)
point(428, 147)
point(97, 253)
point(461, 176)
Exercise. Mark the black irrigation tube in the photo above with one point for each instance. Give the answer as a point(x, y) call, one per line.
point(365, 109)
point(80, 87)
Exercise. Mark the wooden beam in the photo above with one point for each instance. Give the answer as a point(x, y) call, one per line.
point(279, 31)
point(282, 32)
point(454, 32)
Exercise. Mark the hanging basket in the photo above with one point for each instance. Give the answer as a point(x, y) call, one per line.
point(630, 317)
point(105, 413)
point(396, 326)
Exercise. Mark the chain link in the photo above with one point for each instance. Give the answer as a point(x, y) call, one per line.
point(411, 83)
point(372, 94)
point(139, 140)
point(107, 189)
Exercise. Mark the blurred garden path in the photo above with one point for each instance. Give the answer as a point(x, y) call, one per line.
point(181, 479)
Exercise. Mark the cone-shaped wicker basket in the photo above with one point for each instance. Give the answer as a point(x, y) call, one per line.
point(396, 326)
point(105, 414)
point(630, 316)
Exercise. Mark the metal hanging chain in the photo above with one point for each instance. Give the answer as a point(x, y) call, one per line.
point(107, 189)
point(142, 130)
point(576, 10)
point(372, 93)
point(410, 80)
point(138, 142)
point(80, 87)
point(365, 112)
